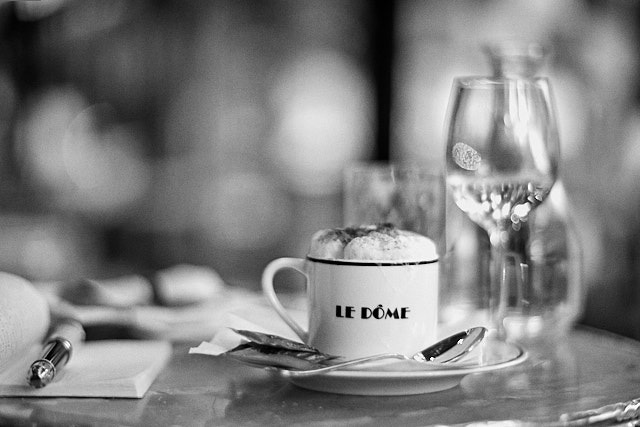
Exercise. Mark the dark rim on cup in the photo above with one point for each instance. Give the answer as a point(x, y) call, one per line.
point(364, 263)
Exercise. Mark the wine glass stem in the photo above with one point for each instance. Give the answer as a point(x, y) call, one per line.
point(500, 289)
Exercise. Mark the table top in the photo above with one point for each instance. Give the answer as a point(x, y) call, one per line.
point(586, 370)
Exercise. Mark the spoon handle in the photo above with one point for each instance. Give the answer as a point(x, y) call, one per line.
point(447, 350)
point(316, 371)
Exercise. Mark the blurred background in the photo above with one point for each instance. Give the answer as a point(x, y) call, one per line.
point(136, 135)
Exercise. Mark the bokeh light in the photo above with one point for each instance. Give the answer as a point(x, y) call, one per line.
point(323, 111)
point(83, 167)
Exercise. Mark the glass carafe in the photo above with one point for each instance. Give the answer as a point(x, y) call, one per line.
point(553, 278)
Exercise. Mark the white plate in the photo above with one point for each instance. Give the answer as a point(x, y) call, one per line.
point(405, 377)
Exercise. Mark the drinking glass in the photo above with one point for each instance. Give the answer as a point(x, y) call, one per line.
point(501, 163)
point(410, 196)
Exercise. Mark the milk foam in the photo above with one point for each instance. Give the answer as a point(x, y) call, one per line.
point(378, 242)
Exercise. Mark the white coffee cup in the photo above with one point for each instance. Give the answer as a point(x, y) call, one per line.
point(361, 308)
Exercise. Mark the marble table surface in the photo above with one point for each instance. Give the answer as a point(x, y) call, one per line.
point(588, 369)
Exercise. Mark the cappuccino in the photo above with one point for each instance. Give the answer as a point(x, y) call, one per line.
point(362, 282)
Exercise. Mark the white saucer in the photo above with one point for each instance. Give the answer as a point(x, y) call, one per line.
point(405, 377)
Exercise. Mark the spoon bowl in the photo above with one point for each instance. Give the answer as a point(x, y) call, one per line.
point(445, 351)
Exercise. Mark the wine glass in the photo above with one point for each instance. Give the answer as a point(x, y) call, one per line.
point(501, 157)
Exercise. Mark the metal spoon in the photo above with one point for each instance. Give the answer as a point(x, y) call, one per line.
point(447, 350)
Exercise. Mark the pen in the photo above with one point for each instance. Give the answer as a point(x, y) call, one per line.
point(67, 336)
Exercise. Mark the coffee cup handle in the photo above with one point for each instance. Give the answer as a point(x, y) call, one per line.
point(268, 274)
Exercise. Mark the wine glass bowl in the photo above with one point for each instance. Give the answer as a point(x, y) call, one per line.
point(502, 149)
point(502, 159)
